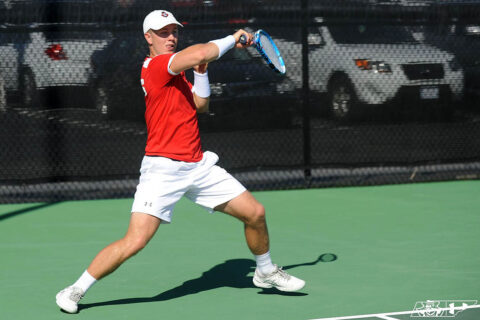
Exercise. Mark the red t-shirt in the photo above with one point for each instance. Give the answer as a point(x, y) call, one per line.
point(170, 113)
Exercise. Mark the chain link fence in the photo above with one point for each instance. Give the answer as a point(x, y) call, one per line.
point(375, 92)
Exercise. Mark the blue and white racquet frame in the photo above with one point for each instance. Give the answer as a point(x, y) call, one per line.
point(268, 50)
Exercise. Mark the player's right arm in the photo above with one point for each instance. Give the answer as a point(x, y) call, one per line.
point(205, 52)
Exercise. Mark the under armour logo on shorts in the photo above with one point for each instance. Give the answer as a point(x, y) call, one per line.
point(147, 204)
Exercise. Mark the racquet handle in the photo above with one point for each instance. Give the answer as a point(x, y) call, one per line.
point(243, 39)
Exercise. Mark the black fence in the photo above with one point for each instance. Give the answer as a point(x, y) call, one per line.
point(375, 92)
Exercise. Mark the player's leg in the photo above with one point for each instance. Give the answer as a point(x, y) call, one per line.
point(217, 190)
point(159, 189)
point(252, 213)
point(141, 229)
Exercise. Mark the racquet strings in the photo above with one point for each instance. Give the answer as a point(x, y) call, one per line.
point(271, 53)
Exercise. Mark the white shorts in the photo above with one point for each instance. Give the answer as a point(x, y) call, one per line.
point(164, 181)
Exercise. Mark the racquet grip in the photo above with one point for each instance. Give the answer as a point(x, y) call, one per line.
point(243, 39)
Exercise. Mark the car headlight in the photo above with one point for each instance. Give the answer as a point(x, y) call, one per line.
point(375, 66)
point(454, 64)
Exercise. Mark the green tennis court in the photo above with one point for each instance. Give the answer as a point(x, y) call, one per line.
point(382, 249)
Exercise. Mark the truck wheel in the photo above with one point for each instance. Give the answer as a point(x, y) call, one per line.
point(342, 100)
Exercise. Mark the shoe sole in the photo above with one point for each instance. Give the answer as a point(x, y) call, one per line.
point(268, 286)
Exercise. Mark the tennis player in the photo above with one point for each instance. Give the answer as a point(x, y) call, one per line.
point(175, 165)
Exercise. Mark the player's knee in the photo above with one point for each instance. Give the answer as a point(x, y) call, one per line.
point(258, 214)
point(136, 244)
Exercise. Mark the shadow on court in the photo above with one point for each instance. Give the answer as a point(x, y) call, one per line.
point(231, 273)
point(26, 210)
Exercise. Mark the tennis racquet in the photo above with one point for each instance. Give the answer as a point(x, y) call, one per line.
point(267, 49)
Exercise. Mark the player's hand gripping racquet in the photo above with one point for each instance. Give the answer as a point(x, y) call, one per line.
point(267, 49)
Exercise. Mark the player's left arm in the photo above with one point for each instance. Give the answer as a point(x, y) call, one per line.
point(201, 104)
point(201, 88)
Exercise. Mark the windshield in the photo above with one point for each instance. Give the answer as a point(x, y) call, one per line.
point(371, 34)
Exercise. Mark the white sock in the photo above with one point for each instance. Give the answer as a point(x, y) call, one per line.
point(264, 263)
point(85, 281)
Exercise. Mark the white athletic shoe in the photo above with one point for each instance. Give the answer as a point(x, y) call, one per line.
point(278, 279)
point(68, 298)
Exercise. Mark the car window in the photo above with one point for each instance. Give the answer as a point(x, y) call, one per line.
point(371, 34)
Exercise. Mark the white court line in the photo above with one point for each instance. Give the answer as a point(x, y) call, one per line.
point(386, 318)
point(396, 313)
